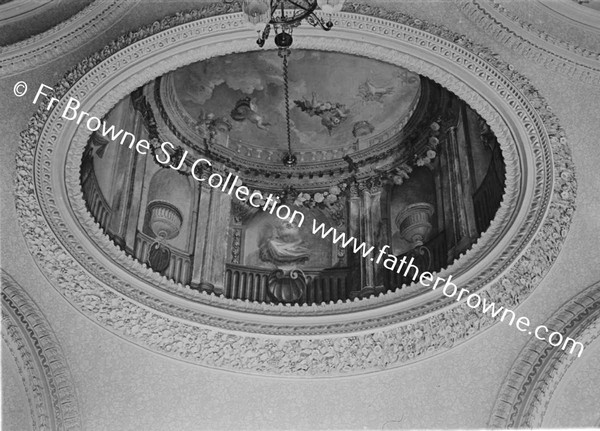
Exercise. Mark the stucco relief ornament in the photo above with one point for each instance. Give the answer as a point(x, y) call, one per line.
point(331, 198)
point(430, 151)
point(44, 370)
point(287, 285)
point(574, 64)
point(132, 313)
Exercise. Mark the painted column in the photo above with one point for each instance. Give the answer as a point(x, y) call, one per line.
point(376, 232)
point(202, 226)
point(467, 172)
point(356, 281)
point(379, 224)
point(122, 184)
point(215, 251)
point(459, 216)
point(135, 204)
point(366, 224)
point(210, 249)
point(368, 275)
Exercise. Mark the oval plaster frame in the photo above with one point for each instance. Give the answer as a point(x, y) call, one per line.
point(158, 322)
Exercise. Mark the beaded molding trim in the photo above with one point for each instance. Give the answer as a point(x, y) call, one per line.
point(44, 370)
point(528, 388)
point(63, 38)
point(192, 327)
point(538, 46)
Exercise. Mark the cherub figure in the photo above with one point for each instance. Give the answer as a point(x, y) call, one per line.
point(204, 124)
point(332, 114)
point(208, 124)
point(245, 109)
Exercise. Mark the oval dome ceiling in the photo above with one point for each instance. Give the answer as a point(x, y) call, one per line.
point(64, 235)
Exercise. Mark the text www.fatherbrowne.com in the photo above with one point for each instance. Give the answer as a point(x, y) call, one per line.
point(449, 289)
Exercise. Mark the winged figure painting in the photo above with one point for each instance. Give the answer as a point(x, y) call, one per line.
point(332, 114)
point(372, 93)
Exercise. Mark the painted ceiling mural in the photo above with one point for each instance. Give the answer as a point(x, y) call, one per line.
point(334, 98)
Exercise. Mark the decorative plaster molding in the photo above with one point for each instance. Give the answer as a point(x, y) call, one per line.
point(537, 372)
point(584, 18)
point(20, 9)
point(540, 47)
point(192, 326)
point(44, 370)
point(42, 48)
point(165, 64)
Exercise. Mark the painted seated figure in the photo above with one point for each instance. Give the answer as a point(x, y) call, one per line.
point(285, 247)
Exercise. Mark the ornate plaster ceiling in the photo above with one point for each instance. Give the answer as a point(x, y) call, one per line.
point(58, 40)
point(538, 44)
point(364, 336)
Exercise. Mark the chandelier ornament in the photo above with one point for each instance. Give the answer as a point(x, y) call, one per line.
point(283, 16)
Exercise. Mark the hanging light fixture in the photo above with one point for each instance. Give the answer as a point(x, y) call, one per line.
point(283, 16)
point(289, 159)
point(258, 12)
point(331, 6)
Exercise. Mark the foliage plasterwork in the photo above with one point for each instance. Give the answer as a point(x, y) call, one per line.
point(39, 359)
point(528, 388)
point(63, 38)
point(579, 63)
point(193, 336)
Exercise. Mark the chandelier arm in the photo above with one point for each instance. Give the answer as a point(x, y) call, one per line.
point(274, 6)
point(296, 18)
point(314, 20)
point(309, 9)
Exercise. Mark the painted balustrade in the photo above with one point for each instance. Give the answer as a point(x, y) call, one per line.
point(246, 282)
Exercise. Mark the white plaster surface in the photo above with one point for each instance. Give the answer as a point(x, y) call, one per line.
point(15, 406)
point(575, 402)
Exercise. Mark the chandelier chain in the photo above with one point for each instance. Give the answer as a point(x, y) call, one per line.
point(287, 102)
